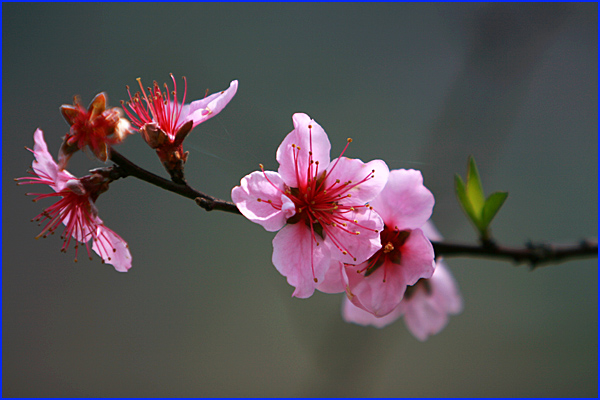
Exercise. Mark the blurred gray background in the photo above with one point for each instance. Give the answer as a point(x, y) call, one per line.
point(203, 312)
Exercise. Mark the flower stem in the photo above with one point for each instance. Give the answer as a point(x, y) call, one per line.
point(209, 203)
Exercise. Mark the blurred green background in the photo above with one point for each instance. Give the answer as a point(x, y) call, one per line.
point(203, 312)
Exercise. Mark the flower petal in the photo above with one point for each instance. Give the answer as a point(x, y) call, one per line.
point(335, 279)
point(426, 313)
point(206, 108)
point(379, 296)
point(308, 136)
point(445, 289)
point(355, 171)
point(112, 248)
point(404, 202)
point(424, 318)
point(44, 164)
point(297, 257)
point(431, 231)
point(357, 315)
point(359, 247)
point(267, 186)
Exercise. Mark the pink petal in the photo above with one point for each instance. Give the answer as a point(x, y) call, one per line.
point(446, 292)
point(358, 247)
point(417, 258)
point(354, 170)
point(431, 231)
point(335, 279)
point(308, 139)
point(404, 202)
point(424, 318)
point(297, 257)
point(44, 164)
point(206, 108)
point(112, 248)
point(380, 297)
point(357, 315)
point(371, 293)
point(267, 186)
point(427, 313)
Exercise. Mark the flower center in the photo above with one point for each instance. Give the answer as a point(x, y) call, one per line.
point(156, 107)
point(322, 204)
point(390, 253)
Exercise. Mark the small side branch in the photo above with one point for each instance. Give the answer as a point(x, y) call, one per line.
point(534, 254)
point(127, 168)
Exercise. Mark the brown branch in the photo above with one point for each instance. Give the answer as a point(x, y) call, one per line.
point(534, 254)
point(127, 168)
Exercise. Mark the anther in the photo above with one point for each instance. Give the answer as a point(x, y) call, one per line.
point(309, 126)
point(349, 140)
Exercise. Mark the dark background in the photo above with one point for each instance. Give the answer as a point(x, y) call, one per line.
point(203, 312)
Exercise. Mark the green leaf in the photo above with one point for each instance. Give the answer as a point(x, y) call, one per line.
point(491, 207)
point(463, 199)
point(474, 189)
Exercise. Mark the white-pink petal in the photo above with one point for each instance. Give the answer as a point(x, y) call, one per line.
point(404, 202)
point(297, 257)
point(308, 136)
point(382, 291)
point(201, 110)
point(426, 313)
point(355, 171)
point(358, 247)
point(357, 315)
point(44, 164)
point(335, 279)
point(264, 186)
point(112, 249)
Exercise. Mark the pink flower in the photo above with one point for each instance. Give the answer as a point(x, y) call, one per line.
point(377, 285)
point(164, 122)
point(425, 306)
point(319, 207)
point(75, 208)
point(96, 128)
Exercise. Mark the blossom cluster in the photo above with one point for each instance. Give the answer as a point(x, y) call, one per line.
point(162, 122)
point(346, 226)
point(343, 225)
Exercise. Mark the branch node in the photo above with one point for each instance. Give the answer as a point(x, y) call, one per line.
point(208, 205)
